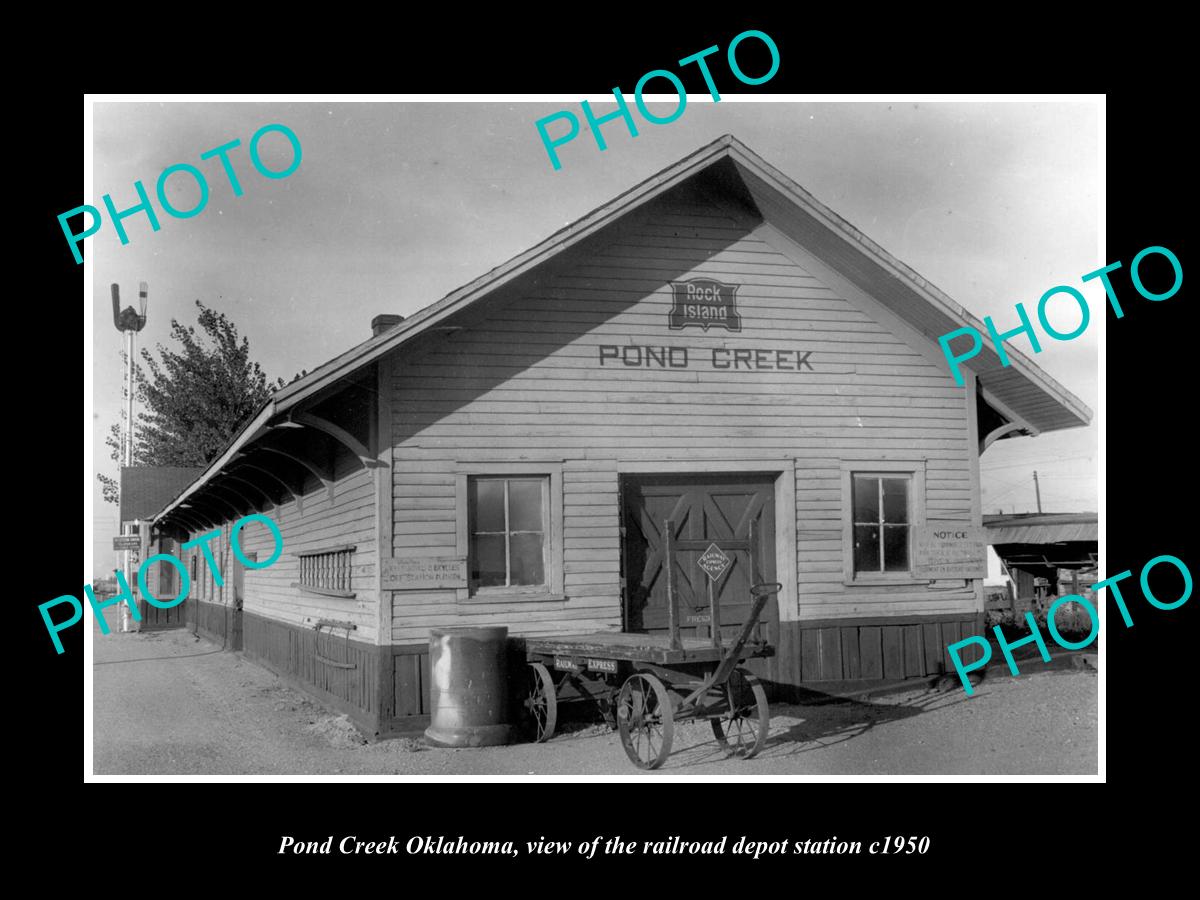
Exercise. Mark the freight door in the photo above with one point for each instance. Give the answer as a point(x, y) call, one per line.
point(710, 509)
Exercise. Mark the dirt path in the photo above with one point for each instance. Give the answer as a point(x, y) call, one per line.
point(168, 703)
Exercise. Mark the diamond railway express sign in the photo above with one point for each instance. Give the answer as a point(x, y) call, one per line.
point(714, 562)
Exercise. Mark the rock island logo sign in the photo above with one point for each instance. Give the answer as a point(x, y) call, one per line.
point(704, 302)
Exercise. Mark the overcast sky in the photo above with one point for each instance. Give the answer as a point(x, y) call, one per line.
point(396, 204)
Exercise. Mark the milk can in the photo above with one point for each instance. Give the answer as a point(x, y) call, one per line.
point(469, 686)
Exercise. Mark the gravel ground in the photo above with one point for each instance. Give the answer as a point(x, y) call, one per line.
point(169, 703)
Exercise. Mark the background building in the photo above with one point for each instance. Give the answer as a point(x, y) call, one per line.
point(144, 490)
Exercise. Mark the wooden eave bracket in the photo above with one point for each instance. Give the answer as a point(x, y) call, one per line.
point(323, 473)
point(295, 491)
point(339, 434)
point(258, 507)
point(199, 516)
point(230, 491)
point(996, 433)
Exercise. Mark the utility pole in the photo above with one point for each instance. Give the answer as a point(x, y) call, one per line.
point(1037, 490)
point(129, 322)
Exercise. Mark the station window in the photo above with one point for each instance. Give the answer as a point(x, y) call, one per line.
point(881, 522)
point(507, 524)
point(883, 503)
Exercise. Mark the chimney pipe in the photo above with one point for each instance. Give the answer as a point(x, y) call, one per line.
point(383, 322)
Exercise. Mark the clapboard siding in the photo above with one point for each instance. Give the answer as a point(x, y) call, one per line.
point(349, 518)
point(523, 382)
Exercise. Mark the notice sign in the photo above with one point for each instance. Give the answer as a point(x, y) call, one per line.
point(949, 550)
point(405, 574)
point(127, 542)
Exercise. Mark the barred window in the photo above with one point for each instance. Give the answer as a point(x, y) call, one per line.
point(328, 571)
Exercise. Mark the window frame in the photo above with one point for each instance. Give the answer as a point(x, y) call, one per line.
point(347, 593)
point(508, 532)
point(882, 468)
point(552, 546)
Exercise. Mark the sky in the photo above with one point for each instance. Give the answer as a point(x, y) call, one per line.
point(395, 204)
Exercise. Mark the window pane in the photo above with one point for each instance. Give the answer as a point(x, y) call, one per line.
point(525, 506)
point(526, 551)
point(895, 548)
point(487, 560)
point(487, 505)
point(866, 499)
point(895, 500)
point(866, 548)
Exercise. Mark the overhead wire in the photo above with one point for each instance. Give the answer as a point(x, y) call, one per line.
point(1033, 462)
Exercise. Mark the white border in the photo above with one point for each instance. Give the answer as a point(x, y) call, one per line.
point(89, 474)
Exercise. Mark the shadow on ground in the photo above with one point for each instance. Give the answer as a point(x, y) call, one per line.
point(816, 722)
point(797, 729)
point(819, 721)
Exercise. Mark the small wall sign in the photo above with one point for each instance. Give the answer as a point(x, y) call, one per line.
point(704, 302)
point(407, 574)
point(714, 562)
point(949, 550)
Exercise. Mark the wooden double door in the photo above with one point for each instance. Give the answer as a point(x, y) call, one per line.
point(710, 509)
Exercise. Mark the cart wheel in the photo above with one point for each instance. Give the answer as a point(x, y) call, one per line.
point(541, 703)
point(742, 729)
point(645, 720)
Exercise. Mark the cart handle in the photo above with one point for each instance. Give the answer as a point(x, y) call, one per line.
point(766, 588)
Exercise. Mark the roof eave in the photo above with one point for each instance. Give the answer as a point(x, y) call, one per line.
point(251, 431)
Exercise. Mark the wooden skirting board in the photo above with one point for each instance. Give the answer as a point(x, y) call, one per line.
point(830, 656)
point(208, 620)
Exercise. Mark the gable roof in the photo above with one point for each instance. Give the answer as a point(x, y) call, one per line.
point(1022, 391)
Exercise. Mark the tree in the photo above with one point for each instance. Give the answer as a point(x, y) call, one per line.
point(194, 399)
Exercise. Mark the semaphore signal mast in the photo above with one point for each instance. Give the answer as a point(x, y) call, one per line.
point(129, 322)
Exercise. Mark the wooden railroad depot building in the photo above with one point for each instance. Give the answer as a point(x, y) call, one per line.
point(713, 347)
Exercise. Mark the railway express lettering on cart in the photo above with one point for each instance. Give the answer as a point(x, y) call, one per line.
point(635, 356)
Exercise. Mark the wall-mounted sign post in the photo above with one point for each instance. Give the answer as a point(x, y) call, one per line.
point(714, 562)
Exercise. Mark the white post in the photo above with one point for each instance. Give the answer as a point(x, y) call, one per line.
point(126, 618)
